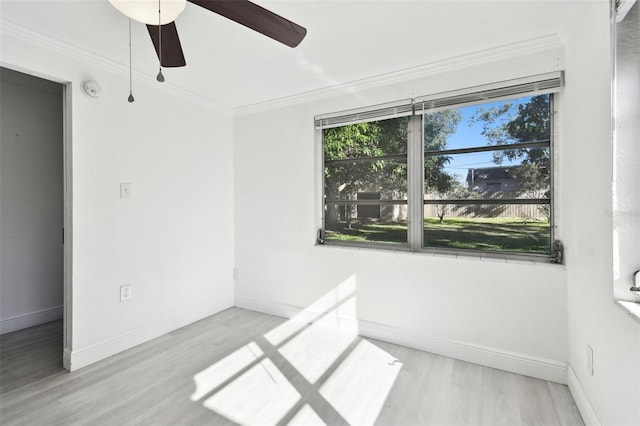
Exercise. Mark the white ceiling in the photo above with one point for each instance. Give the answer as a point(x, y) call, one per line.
point(347, 40)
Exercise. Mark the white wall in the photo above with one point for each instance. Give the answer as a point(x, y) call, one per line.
point(514, 309)
point(594, 319)
point(173, 241)
point(31, 200)
point(510, 307)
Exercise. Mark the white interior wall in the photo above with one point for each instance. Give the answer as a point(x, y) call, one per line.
point(425, 300)
point(31, 278)
point(173, 240)
point(594, 319)
point(485, 307)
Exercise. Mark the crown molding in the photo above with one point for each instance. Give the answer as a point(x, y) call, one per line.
point(16, 30)
point(511, 50)
point(507, 51)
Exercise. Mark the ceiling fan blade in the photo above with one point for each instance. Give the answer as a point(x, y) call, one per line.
point(257, 18)
point(172, 55)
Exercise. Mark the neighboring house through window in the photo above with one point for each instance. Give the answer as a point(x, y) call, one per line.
point(492, 179)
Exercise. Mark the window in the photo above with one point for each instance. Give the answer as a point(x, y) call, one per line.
point(462, 172)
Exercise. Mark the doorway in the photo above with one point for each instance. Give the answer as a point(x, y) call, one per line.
point(33, 202)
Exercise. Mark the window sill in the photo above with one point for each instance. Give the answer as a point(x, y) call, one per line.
point(541, 260)
point(631, 308)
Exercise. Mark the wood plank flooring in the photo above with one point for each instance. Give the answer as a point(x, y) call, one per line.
point(228, 369)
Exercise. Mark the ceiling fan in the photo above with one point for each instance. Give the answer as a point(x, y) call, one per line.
point(160, 16)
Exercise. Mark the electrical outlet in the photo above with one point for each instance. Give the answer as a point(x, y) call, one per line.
point(125, 292)
point(590, 360)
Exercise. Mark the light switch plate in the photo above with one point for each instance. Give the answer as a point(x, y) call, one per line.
point(125, 191)
point(126, 292)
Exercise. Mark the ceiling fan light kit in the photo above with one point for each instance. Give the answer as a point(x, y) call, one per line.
point(146, 11)
point(160, 16)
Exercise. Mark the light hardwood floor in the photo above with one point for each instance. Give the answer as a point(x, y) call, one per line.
point(243, 367)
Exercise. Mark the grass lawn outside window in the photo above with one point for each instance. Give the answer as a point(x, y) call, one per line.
point(498, 234)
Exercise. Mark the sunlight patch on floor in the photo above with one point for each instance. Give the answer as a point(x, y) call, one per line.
point(316, 348)
point(215, 375)
point(360, 385)
point(320, 351)
point(262, 395)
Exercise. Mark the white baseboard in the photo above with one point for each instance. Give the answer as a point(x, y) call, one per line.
point(582, 401)
point(514, 362)
point(31, 319)
point(82, 357)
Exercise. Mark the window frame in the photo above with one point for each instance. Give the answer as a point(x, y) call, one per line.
point(536, 85)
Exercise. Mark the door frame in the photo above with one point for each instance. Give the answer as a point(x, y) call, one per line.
point(67, 167)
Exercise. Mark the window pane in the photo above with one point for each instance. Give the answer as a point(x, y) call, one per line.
point(490, 174)
point(382, 223)
point(365, 182)
point(518, 120)
point(495, 227)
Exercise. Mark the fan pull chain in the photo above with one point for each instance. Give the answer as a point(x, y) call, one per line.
point(159, 77)
point(130, 98)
